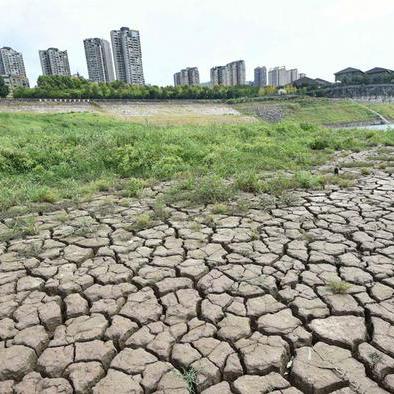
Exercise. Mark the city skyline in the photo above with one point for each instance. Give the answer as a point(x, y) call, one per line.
point(286, 40)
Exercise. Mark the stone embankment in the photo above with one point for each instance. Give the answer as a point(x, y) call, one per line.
point(380, 93)
point(283, 297)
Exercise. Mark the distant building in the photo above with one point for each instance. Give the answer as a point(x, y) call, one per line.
point(126, 48)
point(237, 74)
point(379, 74)
point(177, 79)
point(232, 74)
point(99, 60)
point(220, 76)
point(187, 76)
point(15, 81)
point(54, 62)
point(279, 76)
point(348, 74)
point(11, 62)
point(12, 68)
point(306, 82)
point(260, 76)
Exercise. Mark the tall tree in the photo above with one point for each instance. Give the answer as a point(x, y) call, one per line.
point(4, 90)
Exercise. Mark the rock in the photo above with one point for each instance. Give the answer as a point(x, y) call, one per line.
point(342, 330)
point(184, 354)
point(80, 329)
point(262, 305)
point(120, 330)
point(77, 255)
point(16, 361)
point(142, 307)
point(117, 382)
point(383, 336)
point(262, 354)
point(95, 351)
point(133, 361)
point(222, 388)
point(284, 323)
point(7, 387)
point(172, 383)
point(84, 375)
point(34, 383)
point(54, 361)
point(153, 373)
point(34, 337)
point(326, 368)
point(50, 315)
point(249, 384)
point(233, 328)
point(76, 305)
point(378, 362)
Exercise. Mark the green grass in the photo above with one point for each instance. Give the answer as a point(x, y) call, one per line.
point(339, 287)
point(318, 111)
point(385, 109)
point(20, 227)
point(47, 157)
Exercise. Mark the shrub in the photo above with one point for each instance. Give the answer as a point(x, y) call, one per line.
point(133, 187)
point(339, 287)
point(319, 143)
point(248, 182)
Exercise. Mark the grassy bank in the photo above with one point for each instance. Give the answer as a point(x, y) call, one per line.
point(46, 157)
point(317, 111)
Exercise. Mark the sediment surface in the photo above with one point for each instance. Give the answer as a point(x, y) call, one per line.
point(279, 298)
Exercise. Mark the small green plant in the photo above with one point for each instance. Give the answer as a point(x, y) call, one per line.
point(62, 217)
point(339, 286)
point(220, 209)
point(375, 357)
point(209, 189)
point(32, 250)
point(161, 212)
point(288, 199)
point(44, 194)
point(195, 227)
point(254, 234)
point(248, 182)
point(306, 180)
point(319, 143)
point(20, 227)
point(190, 377)
point(142, 221)
point(103, 185)
point(134, 187)
point(209, 220)
point(241, 207)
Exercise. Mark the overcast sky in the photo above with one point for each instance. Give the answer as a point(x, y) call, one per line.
point(318, 37)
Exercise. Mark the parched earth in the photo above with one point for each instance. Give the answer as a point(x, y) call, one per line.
point(244, 302)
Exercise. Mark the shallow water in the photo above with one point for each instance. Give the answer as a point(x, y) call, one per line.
point(385, 127)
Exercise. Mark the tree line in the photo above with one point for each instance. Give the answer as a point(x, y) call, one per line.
point(56, 86)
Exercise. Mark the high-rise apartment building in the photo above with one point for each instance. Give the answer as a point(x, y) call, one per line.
point(54, 62)
point(279, 76)
point(126, 48)
point(99, 60)
point(237, 73)
point(11, 62)
point(12, 68)
point(219, 76)
point(260, 76)
point(232, 74)
point(187, 76)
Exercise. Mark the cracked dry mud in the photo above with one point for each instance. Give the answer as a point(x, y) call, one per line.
point(91, 303)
